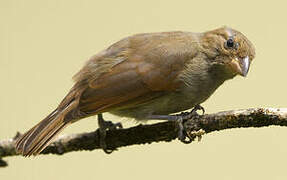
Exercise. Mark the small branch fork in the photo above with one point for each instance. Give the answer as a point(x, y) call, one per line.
point(164, 131)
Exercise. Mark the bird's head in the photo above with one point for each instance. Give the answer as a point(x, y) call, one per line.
point(228, 50)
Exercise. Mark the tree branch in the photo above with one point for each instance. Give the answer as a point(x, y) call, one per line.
point(164, 131)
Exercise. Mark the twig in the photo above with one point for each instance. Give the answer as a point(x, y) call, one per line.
point(164, 131)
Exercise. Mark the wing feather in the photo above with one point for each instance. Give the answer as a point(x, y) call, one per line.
point(134, 70)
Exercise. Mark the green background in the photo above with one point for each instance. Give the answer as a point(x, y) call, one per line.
point(43, 43)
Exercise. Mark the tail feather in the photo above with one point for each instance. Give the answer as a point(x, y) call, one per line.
point(39, 137)
point(46, 140)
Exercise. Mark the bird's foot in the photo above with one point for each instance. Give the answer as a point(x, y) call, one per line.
point(188, 131)
point(105, 126)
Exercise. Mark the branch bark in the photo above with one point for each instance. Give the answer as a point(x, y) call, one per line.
point(164, 131)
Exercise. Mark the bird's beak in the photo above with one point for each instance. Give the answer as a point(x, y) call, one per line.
point(240, 66)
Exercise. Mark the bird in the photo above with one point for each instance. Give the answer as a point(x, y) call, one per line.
point(146, 76)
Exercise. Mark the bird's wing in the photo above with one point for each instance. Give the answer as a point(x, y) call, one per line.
point(134, 70)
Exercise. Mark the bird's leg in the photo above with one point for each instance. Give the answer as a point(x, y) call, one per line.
point(184, 132)
point(104, 126)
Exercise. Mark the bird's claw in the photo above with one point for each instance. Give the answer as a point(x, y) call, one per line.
point(182, 135)
point(187, 132)
point(198, 107)
point(105, 126)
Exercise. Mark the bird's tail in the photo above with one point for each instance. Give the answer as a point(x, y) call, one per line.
point(39, 137)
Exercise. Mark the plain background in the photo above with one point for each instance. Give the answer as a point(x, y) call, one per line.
point(43, 43)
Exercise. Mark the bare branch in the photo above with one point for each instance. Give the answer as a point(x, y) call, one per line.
point(164, 131)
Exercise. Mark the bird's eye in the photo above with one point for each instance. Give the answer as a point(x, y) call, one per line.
point(230, 43)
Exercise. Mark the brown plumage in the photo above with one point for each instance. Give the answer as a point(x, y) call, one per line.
point(146, 75)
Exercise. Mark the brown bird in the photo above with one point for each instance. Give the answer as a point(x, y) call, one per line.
point(146, 76)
